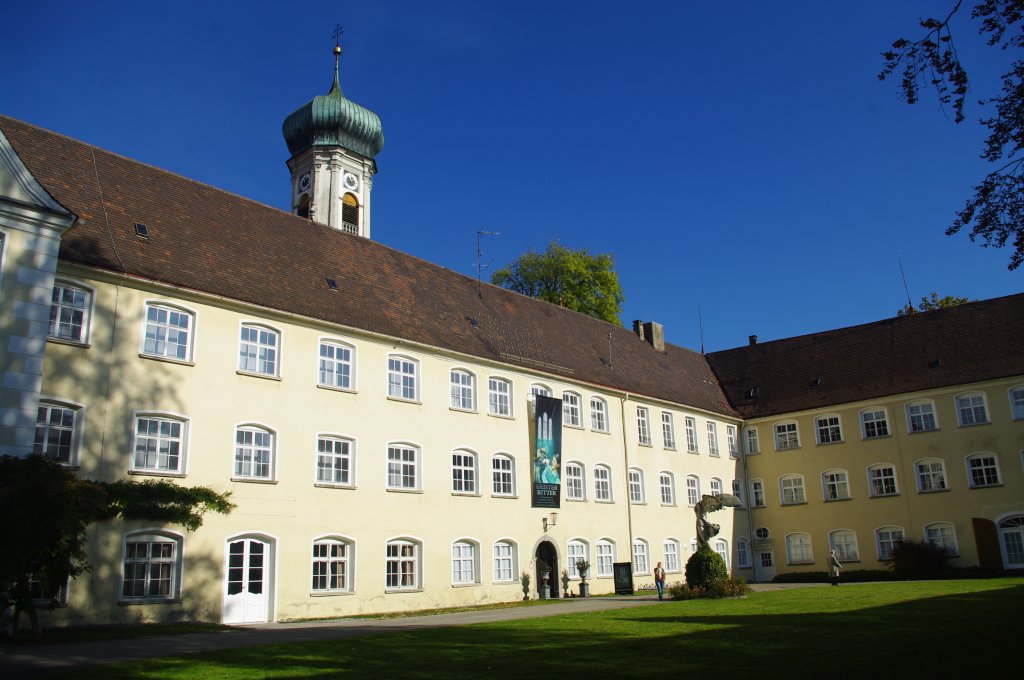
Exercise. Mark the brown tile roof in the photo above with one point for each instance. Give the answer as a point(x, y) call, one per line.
point(970, 343)
point(207, 240)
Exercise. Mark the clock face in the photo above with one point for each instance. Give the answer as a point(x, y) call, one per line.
point(304, 182)
point(351, 181)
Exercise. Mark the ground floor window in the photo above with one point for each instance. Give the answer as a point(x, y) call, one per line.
point(151, 566)
point(402, 565)
point(330, 566)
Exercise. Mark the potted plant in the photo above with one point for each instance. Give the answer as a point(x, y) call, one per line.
point(565, 583)
point(524, 578)
point(545, 575)
point(583, 567)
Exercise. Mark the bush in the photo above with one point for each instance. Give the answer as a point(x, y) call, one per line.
point(704, 568)
point(729, 587)
point(917, 559)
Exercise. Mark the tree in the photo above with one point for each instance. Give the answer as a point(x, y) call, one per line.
point(932, 303)
point(45, 511)
point(996, 210)
point(571, 278)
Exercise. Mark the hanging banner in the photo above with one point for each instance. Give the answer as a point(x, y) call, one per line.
point(547, 448)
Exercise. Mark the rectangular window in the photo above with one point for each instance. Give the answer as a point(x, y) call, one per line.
point(463, 472)
point(254, 450)
point(502, 562)
point(402, 468)
point(499, 397)
point(462, 390)
point(730, 437)
point(636, 486)
point(257, 350)
point(921, 417)
point(931, 475)
point(671, 549)
point(757, 497)
point(983, 471)
point(330, 567)
point(333, 461)
point(149, 567)
point(56, 433)
point(69, 313)
point(888, 537)
point(875, 424)
point(643, 426)
point(941, 536)
point(575, 552)
point(750, 435)
point(1017, 403)
point(883, 480)
point(828, 429)
point(463, 563)
point(605, 558)
point(793, 490)
point(571, 416)
point(692, 491)
point(402, 378)
point(837, 487)
point(602, 484)
point(501, 469)
point(668, 430)
point(598, 415)
point(713, 439)
point(401, 566)
point(158, 444)
point(641, 564)
point(691, 434)
point(668, 491)
point(335, 366)
point(970, 409)
point(798, 549)
point(168, 333)
point(786, 436)
point(574, 482)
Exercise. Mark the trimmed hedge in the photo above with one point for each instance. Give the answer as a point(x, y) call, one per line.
point(704, 568)
point(875, 575)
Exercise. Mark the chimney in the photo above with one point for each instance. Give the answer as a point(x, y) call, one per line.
point(638, 327)
point(654, 334)
point(752, 339)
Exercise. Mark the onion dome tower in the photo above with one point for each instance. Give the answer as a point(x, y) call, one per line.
point(333, 142)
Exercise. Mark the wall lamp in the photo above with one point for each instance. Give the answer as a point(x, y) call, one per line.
point(550, 521)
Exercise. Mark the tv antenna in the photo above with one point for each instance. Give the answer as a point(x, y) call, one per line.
point(480, 254)
point(910, 304)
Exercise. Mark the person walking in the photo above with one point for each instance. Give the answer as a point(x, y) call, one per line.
point(833, 568)
point(659, 581)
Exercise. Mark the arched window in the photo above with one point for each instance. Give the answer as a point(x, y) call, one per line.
point(463, 390)
point(886, 539)
point(874, 423)
point(70, 312)
point(942, 535)
point(882, 480)
point(499, 397)
point(636, 485)
point(844, 542)
point(350, 213)
point(716, 486)
point(577, 549)
point(1011, 540)
point(542, 390)
point(827, 429)
point(757, 496)
point(332, 565)
point(403, 467)
point(667, 485)
point(835, 484)
point(722, 548)
point(167, 331)
point(259, 350)
point(605, 556)
point(464, 472)
point(971, 409)
point(786, 436)
point(921, 416)
point(931, 475)
point(571, 410)
point(737, 490)
point(671, 549)
point(692, 490)
point(254, 453)
point(574, 482)
point(983, 470)
point(59, 430)
point(335, 460)
point(402, 564)
point(641, 559)
point(503, 474)
point(742, 553)
point(151, 569)
point(337, 364)
point(1017, 402)
point(602, 484)
point(598, 414)
point(403, 378)
point(465, 562)
point(159, 443)
point(798, 549)
point(506, 558)
point(792, 489)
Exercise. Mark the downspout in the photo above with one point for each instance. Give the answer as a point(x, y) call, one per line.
point(625, 469)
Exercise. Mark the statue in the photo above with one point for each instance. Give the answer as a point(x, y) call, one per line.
point(705, 529)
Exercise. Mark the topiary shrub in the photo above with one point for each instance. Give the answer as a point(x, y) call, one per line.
point(704, 568)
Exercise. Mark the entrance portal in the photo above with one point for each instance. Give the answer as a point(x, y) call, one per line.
point(546, 552)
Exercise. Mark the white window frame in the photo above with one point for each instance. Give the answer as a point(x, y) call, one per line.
point(399, 466)
point(575, 481)
point(58, 308)
point(465, 562)
point(751, 443)
point(149, 347)
point(722, 548)
point(575, 550)
point(499, 397)
point(462, 390)
point(713, 439)
point(971, 409)
point(730, 442)
point(737, 490)
point(872, 426)
point(465, 472)
point(758, 497)
point(668, 430)
point(403, 378)
point(787, 435)
point(667, 487)
point(598, 414)
point(933, 479)
point(539, 388)
point(641, 556)
point(503, 476)
point(987, 467)
point(844, 542)
point(672, 555)
point(246, 454)
point(604, 554)
point(690, 425)
point(336, 372)
point(334, 571)
point(833, 488)
point(1016, 396)
point(259, 357)
point(505, 561)
point(643, 426)
point(947, 542)
point(403, 566)
point(742, 553)
point(792, 490)
point(883, 480)
point(332, 463)
point(164, 440)
point(828, 429)
point(886, 539)
point(799, 548)
point(170, 567)
point(921, 416)
point(603, 484)
point(692, 490)
point(715, 486)
point(636, 486)
point(69, 436)
point(572, 409)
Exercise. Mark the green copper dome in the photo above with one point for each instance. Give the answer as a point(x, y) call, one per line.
point(332, 119)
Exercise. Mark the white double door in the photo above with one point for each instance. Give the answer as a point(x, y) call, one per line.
point(247, 582)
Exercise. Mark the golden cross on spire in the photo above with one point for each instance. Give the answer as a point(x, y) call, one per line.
point(338, 32)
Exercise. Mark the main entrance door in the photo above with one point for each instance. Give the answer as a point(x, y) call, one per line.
point(247, 583)
point(1011, 535)
point(546, 552)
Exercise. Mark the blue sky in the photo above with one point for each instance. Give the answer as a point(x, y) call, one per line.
point(741, 158)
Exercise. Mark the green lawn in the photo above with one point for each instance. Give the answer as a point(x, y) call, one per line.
point(919, 629)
